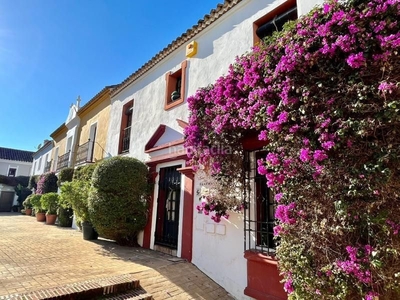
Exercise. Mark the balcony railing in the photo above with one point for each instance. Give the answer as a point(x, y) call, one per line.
point(63, 161)
point(126, 139)
point(47, 166)
point(82, 155)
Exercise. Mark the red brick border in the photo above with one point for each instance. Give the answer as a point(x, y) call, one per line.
point(90, 289)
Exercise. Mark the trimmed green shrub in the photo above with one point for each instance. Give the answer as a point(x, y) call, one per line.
point(65, 175)
point(47, 183)
point(8, 180)
point(118, 201)
point(84, 173)
point(32, 184)
point(75, 195)
point(36, 203)
point(49, 203)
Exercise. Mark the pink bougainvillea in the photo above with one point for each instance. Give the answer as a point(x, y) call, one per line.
point(324, 94)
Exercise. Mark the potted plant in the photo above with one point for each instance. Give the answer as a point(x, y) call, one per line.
point(28, 206)
point(75, 194)
point(37, 206)
point(49, 202)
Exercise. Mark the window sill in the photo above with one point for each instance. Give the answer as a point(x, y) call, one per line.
point(172, 104)
point(256, 256)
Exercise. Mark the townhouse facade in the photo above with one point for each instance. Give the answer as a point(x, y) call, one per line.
point(147, 118)
point(93, 129)
point(42, 158)
point(13, 163)
point(81, 139)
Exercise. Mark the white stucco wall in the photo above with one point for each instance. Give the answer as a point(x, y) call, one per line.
point(23, 168)
point(304, 6)
point(217, 248)
point(45, 155)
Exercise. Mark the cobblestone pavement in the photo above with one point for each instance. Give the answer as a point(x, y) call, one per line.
point(35, 256)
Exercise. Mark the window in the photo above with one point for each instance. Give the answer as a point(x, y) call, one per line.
point(126, 123)
point(12, 172)
point(40, 163)
point(260, 212)
point(274, 20)
point(175, 87)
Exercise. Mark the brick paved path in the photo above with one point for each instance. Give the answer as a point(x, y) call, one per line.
point(35, 256)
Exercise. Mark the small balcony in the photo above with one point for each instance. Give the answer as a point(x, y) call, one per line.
point(47, 166)
point(126, 137)
point(85, 153)
point(63, 161)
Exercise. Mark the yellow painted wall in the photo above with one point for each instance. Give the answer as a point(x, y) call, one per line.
point(98, 112)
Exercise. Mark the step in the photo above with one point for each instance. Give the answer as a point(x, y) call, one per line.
point(89, 289)
point(137, 294)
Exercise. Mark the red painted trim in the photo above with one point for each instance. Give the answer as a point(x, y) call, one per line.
point(259, 257)
point(170, 144)
point(182, 124)
point(250, 142)
point(165, 158)
point(263, 279)
point(170, 81)
point(270, 16)
point(155, 137)
point(124, 119)
point(187, 171)
point(187, 221)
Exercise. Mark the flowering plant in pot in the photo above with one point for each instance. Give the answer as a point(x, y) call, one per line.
point(49, 202)
point(40, 212)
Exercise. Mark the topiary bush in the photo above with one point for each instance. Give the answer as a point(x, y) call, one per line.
point(50, 203)
point(118, 201)
point(65, 175)
point(47, 183)
point(84, 173)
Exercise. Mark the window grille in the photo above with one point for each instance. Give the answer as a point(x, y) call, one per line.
point(259, 214)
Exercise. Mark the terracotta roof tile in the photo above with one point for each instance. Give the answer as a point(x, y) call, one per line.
point(202, 24)
point(15, 154)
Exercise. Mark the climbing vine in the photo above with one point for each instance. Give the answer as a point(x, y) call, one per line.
point(324, 96)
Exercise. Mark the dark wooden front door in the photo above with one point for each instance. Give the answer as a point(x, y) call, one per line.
point(6, 201)
point(169, 192)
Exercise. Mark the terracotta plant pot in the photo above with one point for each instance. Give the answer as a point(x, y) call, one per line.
point(28, 211)
point(40, 217)
point(51, 219)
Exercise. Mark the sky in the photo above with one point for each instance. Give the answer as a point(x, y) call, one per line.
point(52, 51)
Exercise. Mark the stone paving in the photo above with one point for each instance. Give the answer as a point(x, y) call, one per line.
point(35, 256)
